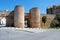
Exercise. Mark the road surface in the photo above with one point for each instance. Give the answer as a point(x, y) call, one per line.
point(14, 34)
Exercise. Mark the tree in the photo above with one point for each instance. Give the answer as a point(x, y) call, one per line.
point(55, 22)
point(58, 18)
point(44, 19)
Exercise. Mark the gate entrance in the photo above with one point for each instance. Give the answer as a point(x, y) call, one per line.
point(27, 23)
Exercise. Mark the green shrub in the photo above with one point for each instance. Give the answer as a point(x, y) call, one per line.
point(56, 22)
point(44, 19)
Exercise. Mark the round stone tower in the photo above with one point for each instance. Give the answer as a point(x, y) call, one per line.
point(35, 17)
point(19, 16)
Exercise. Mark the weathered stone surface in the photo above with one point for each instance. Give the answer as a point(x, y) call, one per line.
point(49, 20)
point(35, 17)
point(10, 19)
point(19, 16)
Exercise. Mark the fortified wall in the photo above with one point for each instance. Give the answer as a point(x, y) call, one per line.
point(17, 18)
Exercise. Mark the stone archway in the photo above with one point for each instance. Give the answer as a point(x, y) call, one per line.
point(27, 23)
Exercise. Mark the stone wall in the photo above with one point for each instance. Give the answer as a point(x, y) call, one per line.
point(10, 19)
point(16, 18)
point(49, 20)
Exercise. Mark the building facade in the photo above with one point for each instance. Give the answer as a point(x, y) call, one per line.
point(55, 9)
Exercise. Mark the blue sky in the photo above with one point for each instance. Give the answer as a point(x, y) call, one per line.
point(28, 4)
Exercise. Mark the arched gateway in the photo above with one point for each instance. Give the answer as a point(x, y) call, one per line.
point(17, 18)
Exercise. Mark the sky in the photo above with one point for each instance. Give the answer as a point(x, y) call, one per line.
point(28, 4)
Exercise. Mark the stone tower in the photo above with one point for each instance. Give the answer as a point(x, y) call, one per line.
point(19, 16)
point(35, 17)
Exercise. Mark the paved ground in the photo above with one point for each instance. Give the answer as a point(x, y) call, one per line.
point(15, 34)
